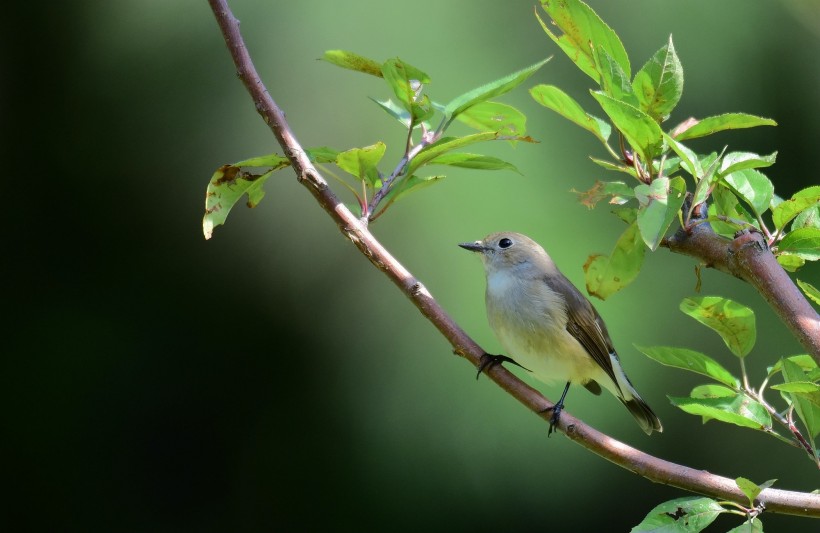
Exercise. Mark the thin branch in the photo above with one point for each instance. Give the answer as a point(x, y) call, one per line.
point(652, 468)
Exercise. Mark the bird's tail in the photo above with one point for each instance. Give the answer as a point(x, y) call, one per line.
point(644, 415)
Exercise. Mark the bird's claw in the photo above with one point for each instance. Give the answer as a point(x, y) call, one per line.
point(488, 361)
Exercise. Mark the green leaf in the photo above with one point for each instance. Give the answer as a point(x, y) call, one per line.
point(804, 361)
point(753, 187)
point(728, 121)
point(660, 204)
point(493, 116)
point(734, 161)
point(749, 526)
point(810, 290)
point(737, 409)
point(799, 202)
point(606, 275)
point(476, 161)
point(806, 404)
point(554, 98)
point(810, 218)
point(362, 162)
point(711, 391)
point(706, 182)
point(614, 80)
point(617, 168)
point(349, 60)
point(735, 323)
point(749, 488)
point(407, 83)
point(681, 515)
point(619, 192)
point(797, 386)
point(659, 83)
point(490, 90)
point(395, 110)
point(725, 202)
point(407, 185)
point(448, 144)
point(583, 30)
point(641, 130)
point(229, 183)
point(322, 154)
point(790, 263)
point(692, 361)
point(688, 159)
point(803, 242)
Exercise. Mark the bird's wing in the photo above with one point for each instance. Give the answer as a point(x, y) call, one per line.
point(585, 324)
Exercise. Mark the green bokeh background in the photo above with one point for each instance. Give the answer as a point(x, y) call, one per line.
point(271, 379)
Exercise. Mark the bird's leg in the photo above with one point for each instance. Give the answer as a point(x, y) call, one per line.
point(488, 361)
point(556, 410)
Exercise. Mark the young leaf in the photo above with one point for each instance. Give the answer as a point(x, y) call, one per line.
point(749, 488)
point(725, 203)
point(734, 161)
point(659, 84)
point(554, 98)
point(706, 182)
point(660, 203)
point(749, 526)
point(738, 409)
point(583, 30)
point(619, 192)
point(735, 323)
point(753, 187)
point(797, 386)
point(810, 290)
point(406, 186)
point(688, 159)
point(407, 82)
point(493, 116)
point(475, 161)
point(807, 405)
point(228, 184)
point(789, 262)
point(489, 90)
point(804, 361)
point(785, 211)
point(614, 80)
point(361, 162)
point(345, 59)
point(606, 275)
point(728, 121)
point(395, 110)
point(803, 242)
point(711, 391)
point(641, 130)
point(447, 144)
point(682, 515)
point(617, 168)
point(692, 361)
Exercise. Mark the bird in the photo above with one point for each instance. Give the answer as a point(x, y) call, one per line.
point(548, 327)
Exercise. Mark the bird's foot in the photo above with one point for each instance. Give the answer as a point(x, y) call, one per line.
point(488, 361)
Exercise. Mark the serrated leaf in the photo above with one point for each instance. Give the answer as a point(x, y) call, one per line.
point(692, 361)
point(606, 275)
point(448, 144)
point(493, 116)
point(807, 405)
point(711, 391)
point(229, 183)
point(349, 60)
point(554, 98)
point(753, 187)
point(475, 161)
point(734, 161)
point(727, 121)
point(797, 386)
point(362, 162)
point(660, 204)
point(490, 90)
point(804, 361)
point(749, 488)
point(803, 242)
point(738, 409)
point(810, 218)
point(640, 130)
point(785, 211)
point(681, 515)
point(614, 80)
point(734, 322)
point(659, 84)
point(582, 29)
point(810, 291)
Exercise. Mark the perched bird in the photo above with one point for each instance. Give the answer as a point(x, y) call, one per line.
point(548, 327)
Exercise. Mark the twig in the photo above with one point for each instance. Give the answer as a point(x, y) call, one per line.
point(652, 468)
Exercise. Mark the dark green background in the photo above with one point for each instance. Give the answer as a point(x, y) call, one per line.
point(271, 379)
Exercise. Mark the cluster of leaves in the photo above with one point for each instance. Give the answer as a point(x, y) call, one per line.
point(373, 189)
point(663, 170)
point(733, 399)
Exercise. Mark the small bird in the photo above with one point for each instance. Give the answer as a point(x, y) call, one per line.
point(548, 327)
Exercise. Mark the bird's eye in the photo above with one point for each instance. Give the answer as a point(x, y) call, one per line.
point(505, 243)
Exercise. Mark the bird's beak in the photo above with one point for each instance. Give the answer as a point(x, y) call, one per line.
point(476, 246)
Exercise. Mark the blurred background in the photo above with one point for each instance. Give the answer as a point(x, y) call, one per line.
point(271, 379)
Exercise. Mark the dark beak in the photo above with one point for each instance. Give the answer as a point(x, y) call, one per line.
point(473, 246)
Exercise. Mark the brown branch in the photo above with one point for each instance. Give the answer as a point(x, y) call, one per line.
point(652, 468)
point(748, 257)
